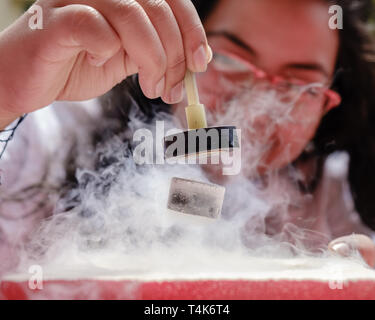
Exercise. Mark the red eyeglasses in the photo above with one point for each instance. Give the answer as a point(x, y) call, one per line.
point(230, 72)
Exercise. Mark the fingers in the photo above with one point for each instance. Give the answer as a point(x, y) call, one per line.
point(165, 23)
point(145, 54)
point(80, 27)
point(198, 53)
point(161, 38)
point(141, 43)
point(346, 245)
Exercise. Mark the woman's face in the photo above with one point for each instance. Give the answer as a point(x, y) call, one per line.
point(291, 43)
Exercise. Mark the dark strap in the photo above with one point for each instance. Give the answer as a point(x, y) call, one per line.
point(11, 134)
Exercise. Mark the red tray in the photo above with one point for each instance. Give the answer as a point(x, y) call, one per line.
point(186, 290)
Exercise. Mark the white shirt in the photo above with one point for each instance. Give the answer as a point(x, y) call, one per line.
point(37, 153)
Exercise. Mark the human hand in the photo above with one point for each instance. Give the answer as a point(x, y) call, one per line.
point(88, 46)
point(345, 246)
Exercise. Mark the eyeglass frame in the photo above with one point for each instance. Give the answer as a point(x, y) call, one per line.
point(333, 98)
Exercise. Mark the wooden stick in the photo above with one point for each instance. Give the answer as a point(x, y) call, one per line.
point(191, 88)
point(195, 111)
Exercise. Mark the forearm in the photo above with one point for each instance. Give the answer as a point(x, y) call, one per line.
point(7, 116)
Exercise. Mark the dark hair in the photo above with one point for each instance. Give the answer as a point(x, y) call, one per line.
point(350, 127)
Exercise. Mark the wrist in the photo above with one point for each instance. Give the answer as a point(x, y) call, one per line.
point(7, 115)
point(6, 120)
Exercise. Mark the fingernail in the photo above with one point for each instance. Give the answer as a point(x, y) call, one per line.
point(177, 93)
point(342, 248)
point(209, 54)
point(160, 87)
point(200, 57)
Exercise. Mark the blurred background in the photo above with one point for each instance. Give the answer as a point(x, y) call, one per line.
point(11, 9)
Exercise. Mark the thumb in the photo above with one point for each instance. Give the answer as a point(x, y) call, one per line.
point(346, 245)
